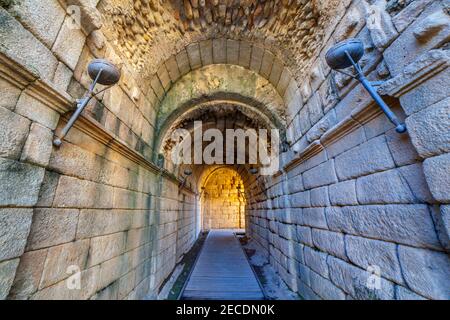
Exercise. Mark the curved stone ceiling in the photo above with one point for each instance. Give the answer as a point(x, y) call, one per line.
point(148, 32)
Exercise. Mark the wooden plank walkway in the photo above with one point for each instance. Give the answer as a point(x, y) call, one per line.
point(222, 271)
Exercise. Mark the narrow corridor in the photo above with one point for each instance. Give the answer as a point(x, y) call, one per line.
point(222, 271)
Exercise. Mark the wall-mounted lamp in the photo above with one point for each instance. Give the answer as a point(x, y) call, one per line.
point(187, 174)
point(102, 72)
point(347, 54)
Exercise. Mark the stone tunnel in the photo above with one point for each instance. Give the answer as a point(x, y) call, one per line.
point(350, 198)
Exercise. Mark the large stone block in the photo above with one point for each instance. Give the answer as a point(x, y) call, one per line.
point(60, 291)
point(304, 235)
point(9, 93)
point(43, 18)
point(35, 110)
point(401, 148)
point(52, 227)
point(358, 283)
point(436, 171)
point(61, 259)
point(300, 199)
point(415, 177)
point(426, 272)
point(394, 223)
point(430, 129)
point(69, 44)
point(28, 274)
point(315, 217)
point(383, 255)
point(101, 222)
point(401, 293)
point(330, 242)
point(319, 197)
point(343, 193)
point(370, 157)
point(408, 45)
point(38, 148)
point(317, 261)
point(76, 193)
point(21, 45)
point(13, 133)
point(321, 175)
point(384, 187)
point(7, 273)
point(106, 247)
point(14, 229)
point(325, 288)
point(20, 183)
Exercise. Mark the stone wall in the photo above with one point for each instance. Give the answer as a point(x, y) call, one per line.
point(95, 209)
point(223, 202)
point(358, 198)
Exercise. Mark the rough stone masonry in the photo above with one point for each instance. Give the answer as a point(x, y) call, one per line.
point(353, 199)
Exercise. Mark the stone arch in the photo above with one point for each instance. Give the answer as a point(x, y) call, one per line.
point(248, 55)
point(228, 83)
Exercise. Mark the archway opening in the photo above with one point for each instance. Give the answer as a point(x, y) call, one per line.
point(223, 200)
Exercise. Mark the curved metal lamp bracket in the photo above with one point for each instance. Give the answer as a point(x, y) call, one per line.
point(347, 54)
point(101, 72)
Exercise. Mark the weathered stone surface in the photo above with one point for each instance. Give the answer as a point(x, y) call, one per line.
point(401, 148)
point(69, 44)
point(295, 184)
point(9, 93)
point(13, 133)
point(379, 23)
point(393, 223)
point(319, 176)
point(300, 200)
point(367, 158)
point(355, 281)
point(60, 258)
point(436, 173)
point(38, 147)
point(23, 46)
point(28, 274)
point(317, 261)
point(319, 197)
point(14, 228)
point(325, 288)
point(60, 291)
point(406, 47)
point(7, 273)
point(106, 247)
point(426, 272)
point(429, 129)
point(43, 18)
point(415, 177)
point(367, 252)
point(345, 143)
point(20, 183)
point(304, 235)
point(101, 222)
point(315, 217)
point(409, 14)
point(330, 242)
point(35, 110)
point(402, 293)
point(52, 227)
point(384, 187)
point(76, 193)
point(343, 193)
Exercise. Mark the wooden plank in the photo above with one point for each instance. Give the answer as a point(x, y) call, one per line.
point(222, 271)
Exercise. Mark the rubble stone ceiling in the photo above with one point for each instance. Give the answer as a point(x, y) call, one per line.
point(147, 32)
point(221, 116)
